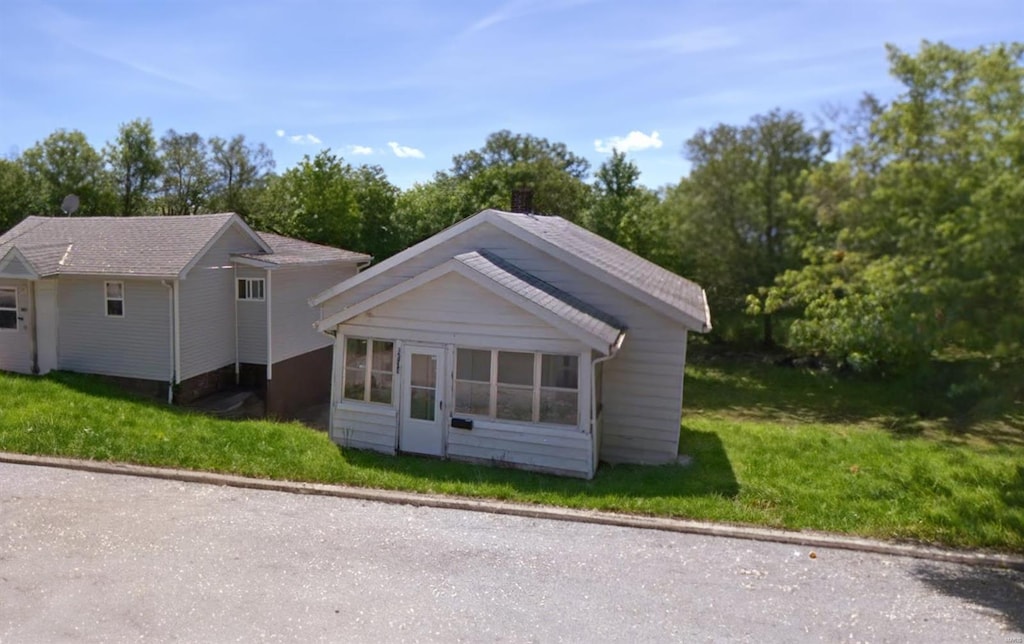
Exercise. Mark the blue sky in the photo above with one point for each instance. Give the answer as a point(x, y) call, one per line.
point(408, 83)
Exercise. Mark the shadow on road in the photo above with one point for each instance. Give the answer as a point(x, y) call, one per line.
point(995, 591)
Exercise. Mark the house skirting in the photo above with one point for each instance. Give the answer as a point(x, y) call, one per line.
point(299, 382)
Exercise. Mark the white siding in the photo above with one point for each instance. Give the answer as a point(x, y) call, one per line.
point(16, 345)
point(292, 328)
point(525, 446)
point(134, 346)
point(252, 321)
point(207, 300)
point(15, 268)
point(365, 427)
point(643, 384)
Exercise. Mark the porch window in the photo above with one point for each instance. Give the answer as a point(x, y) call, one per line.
point(8, 308)
point(369, 370)
point(114, 293)
point(251, 288)
point(517, 386)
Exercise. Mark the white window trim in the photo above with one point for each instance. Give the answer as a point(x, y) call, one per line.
point(249, 282)
point(107, 299)
point(492, 414)
point(368, 371)
point(12, 289)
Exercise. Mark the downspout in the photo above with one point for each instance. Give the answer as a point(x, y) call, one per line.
point(170, 340)
point(176, 284)
point(234, 288)
point(33, 327)
point(593, 389)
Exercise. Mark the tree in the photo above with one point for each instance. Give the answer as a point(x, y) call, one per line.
point(739, 214)
point(134, 165)
point(187, 176)
point(921, 226)
point(239, 171)
point(65, 163)
point(510, 161)
point(615, 191)
point(377, 200)
point(17, 198)
point(315, 201)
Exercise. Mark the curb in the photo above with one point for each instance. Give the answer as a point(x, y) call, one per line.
point(807, 539)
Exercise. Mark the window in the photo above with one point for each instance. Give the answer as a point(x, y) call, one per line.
point(250, 288)
point(114, 292)
point(8, 308)
point(369, 370)
point(519, 386)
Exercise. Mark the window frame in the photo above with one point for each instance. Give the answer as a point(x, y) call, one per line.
point(250, 282)
point(107, 299)
point(536, 388)
point(368, 371)
point(14, 290)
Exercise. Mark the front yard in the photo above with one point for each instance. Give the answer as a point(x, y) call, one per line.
point(773, 446)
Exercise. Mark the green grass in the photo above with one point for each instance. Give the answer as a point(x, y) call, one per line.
point(773, 446)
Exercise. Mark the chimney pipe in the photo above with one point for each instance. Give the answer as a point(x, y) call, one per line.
point(522, 200)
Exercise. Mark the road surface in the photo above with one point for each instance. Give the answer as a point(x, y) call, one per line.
point(108, 558)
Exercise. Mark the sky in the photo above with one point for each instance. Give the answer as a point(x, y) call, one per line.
point(407, 84)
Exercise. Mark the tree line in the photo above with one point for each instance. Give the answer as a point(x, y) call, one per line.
point(877, 236)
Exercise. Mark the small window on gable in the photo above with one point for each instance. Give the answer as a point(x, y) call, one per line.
point(114, 292)
point(8, 309)
point(250, 288)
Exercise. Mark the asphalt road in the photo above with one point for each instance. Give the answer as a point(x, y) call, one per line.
point(99, 557)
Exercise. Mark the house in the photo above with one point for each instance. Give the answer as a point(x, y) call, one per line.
point(183, 305)
point(516, 339)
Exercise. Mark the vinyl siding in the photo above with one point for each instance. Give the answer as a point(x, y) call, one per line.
point(135, 346)
point(373, 427)
point(15, 268)
point(252, 321)
point(524, 446)
point(292, 329)
point(16, 344)
point(207, 300)
point(650, 363)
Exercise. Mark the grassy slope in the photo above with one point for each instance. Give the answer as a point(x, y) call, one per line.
point(772, 446)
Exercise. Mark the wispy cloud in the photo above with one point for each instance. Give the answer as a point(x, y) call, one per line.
point(299, 139)
point(632, 142)
point(404, 151)
point(360, 150)
point(520, 9)
point(692, 42)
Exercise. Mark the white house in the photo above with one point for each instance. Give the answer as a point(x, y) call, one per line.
point(169, 304)
point(516, 339)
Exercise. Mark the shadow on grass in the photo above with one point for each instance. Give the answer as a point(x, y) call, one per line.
point(710, 474)
point(998, 591)
point(756, 387)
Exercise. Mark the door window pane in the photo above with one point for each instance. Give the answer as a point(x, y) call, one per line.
point(515, 368)
point(424, 370)
point(421, 403)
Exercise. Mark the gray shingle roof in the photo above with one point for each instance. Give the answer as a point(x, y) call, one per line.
point(562, 304)
point(141, 246)
point(288, 251)
point(675, 291)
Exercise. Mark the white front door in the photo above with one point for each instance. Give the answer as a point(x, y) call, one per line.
point(46, 324)
point(423, 407)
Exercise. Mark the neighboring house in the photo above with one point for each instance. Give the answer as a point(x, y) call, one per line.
point(198, 302)
point(515, 339)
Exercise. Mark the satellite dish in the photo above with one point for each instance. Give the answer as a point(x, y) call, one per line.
point(69, 205)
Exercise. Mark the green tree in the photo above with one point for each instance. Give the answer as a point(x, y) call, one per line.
point(377, 199)
point(17, 197)
point(615, 190)
point(921, 226)
point(510, 161)
point(316, 201)
point(134, 162)
point(239, 171)
point(187, 177)
point(65, 163)
point(739, 219)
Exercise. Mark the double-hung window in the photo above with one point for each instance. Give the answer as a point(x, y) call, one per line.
point(114, 294)
point(518, 386)
point(250, 288)
point(8, 309)
point(369, 370)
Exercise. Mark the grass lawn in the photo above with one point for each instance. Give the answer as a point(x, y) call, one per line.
point(773, 446)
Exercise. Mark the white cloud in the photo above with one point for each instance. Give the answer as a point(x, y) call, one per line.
point(305, 139)
point(632, 142)
point(404, 151)
point(360, 150)
point(693, 42)
point(279, 133)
